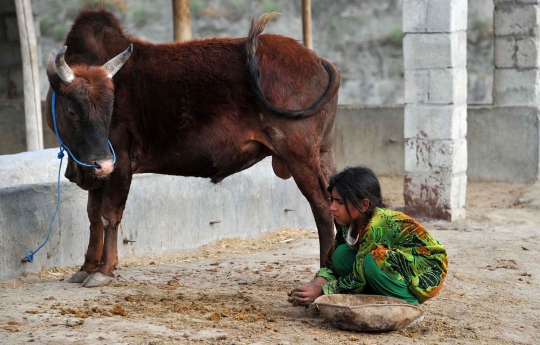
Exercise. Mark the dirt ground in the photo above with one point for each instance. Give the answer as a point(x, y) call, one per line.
point(234, 291)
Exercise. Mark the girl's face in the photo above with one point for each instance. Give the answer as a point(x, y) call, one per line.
point(338, 208)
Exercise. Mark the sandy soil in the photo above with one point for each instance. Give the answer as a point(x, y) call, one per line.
point(234, 291)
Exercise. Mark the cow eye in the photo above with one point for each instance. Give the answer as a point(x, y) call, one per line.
point(71, 112)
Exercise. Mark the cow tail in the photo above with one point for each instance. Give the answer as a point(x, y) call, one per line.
point(254, 73)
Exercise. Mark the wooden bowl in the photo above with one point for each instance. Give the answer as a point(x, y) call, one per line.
point(367, 313)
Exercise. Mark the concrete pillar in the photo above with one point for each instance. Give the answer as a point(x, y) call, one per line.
point(517, 58)
point(435, 59)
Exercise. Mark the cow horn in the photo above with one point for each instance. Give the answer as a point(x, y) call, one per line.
point(113, 65)
point(65, 73)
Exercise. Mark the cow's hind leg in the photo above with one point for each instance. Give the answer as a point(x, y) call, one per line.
point(311, 179)
point(328, 167)
point(93, 254)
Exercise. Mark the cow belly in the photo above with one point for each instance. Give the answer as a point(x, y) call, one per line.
point(219, 162)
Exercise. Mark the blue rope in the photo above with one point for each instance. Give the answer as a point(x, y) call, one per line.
point(30, 253)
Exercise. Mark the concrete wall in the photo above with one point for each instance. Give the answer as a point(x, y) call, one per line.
point(502, 142)
point(164, 214)
point(13, 131)
point(372, 136)
point(517, 52)
point(501, 145)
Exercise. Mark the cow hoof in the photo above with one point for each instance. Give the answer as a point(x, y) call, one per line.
point(97, 279)
point(79, 277)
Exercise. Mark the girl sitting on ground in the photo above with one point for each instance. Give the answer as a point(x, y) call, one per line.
point(376, 250)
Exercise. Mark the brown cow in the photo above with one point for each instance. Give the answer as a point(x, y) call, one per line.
point(206, 108)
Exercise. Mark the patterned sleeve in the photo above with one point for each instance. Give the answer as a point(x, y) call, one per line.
point(354, 283)
point(351, 284)
point(328, 272)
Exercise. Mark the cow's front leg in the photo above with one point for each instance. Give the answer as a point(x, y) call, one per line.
point(114, 198)
point(95, 245)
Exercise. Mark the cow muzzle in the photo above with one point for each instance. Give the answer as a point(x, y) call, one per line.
point(103, 167)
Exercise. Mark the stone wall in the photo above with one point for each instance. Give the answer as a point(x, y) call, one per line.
point(364, 38)
point(517, 58)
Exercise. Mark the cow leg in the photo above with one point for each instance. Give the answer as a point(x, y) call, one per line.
point(95, 245)
point(328, 167)
point(114, 199)
point(311, 180)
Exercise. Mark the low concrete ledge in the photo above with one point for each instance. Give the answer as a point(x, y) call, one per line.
point(164, 214)
point(31, 167)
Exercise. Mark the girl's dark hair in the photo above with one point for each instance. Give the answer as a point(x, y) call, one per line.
point(355, 184)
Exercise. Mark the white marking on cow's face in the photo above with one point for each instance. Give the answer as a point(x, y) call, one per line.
point(105, 221)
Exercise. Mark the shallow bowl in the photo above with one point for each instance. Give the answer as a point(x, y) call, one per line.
point(367, 313)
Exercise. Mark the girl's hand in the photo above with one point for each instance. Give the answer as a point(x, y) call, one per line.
point(307, 293)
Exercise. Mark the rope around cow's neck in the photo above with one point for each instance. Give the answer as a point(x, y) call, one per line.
point(30, 253)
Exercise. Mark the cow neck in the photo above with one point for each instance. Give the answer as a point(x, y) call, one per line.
point(63, 146)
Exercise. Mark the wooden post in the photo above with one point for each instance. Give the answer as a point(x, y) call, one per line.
point(306, 23)
point(182, 20)
point(32, 99)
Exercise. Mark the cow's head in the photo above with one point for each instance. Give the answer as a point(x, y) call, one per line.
point(84, 105)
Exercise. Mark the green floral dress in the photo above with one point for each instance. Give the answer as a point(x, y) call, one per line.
point(402, 249)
